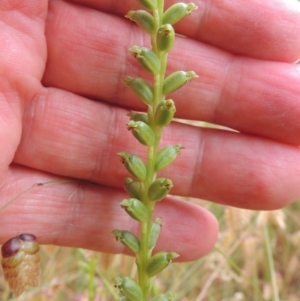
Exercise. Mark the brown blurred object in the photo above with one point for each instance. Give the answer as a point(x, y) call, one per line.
point(21, 262)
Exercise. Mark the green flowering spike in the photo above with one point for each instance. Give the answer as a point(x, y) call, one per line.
point(159, 189)
point(141, 88)
point(142, 132)
point(143, 186)
point(165, 112)
point(147, 58)
point(134, 165)
point(166, 156)
point(164, 297)
point(133, 188)
point(154, 232)
point(159, 262)
point(138, 116)
point(129, 288)
point(143, 19)
point(149, 4)
point(136, 209)
point(165, 38)
point(127, 239)
point(176, 80)
point(177, 11)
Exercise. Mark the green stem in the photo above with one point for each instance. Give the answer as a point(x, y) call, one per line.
point(271, 262)
point(145, 254)
point(91, 282)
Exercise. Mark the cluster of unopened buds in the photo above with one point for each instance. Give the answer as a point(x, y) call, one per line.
point(145, 188)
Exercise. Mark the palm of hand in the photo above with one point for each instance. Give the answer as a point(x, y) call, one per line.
point(62, 116)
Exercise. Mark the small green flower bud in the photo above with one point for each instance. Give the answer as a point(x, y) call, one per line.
point(166, 156)
point(142, 132)
point(133, 188)
point(159, 262)
point(127, 239)
point(177, 11)
point(129, 288)
point(165, 38)
point(134, 165)
point(176, 80)
point(147, 58)
point(154, 232)
point(149, 4)
point(141, 88)
point(164, 297)
point(143, 19)
point(159, 189)
point(136, 209)
point(138, 116)
point(165, 112)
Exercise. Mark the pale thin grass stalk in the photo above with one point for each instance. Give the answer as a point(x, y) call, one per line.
point(271, 262)
point(293, 216)
point(187, 275)
point(216, 272)
point(237, 268)
point(108, 285)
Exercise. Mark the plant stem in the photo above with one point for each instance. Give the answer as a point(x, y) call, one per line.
point(271, 262)
point(145, 254)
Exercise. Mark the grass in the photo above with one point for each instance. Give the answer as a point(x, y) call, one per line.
point(257, 257)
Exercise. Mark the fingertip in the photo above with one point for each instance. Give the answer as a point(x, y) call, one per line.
point(188, 229)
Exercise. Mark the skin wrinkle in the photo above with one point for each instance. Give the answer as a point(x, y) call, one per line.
point(76, 213)
point(91, 161)
point(38, 110)
point(102, 161)
point(121, 88)
point(197, 169)
point(239, 69)
point(41, 116)
point(33, 110)
point(71, 213)
point(226, 80)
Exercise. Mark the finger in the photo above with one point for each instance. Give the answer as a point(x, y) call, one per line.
point(245, 94)
point(83, 215)
point(22, 62)
point(80, 138)
point(262, 29)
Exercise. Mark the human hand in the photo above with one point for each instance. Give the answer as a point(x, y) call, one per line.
point(64, 105)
